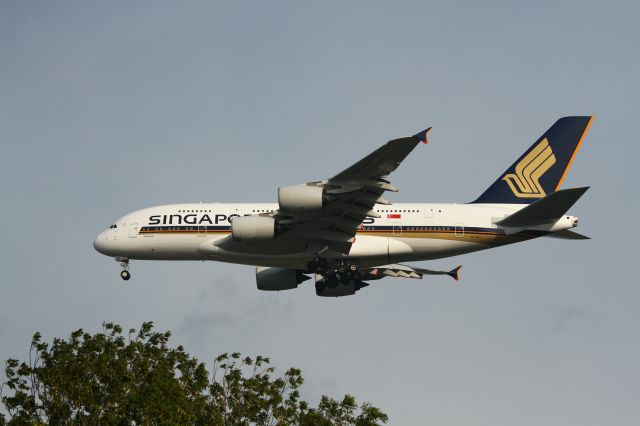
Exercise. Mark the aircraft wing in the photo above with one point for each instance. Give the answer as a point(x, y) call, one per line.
point(350, 198)
point(405, 271)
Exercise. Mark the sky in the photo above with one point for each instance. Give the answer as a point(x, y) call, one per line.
point(108, 107)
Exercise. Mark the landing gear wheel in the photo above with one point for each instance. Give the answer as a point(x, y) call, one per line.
point(332, 282)
point(341, 269)
point(312, 266)
point(124, 262)
point(322, 263)
point(353, 267)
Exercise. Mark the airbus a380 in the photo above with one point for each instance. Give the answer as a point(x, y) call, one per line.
point(343, 232)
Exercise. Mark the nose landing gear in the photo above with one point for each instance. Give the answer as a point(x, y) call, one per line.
point(124, 262)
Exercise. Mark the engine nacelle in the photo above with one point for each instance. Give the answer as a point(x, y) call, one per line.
point(254, 228)
point(300, 198)
point(336, 288)
point(276, 279)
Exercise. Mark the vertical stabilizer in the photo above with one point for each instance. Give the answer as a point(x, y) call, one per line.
point(543, 167)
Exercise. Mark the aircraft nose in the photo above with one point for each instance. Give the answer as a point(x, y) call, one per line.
point(101, 243)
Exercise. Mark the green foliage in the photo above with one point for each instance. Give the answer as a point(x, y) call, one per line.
point(109, 378)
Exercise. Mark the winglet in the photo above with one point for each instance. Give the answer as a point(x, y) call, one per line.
point(422, 136)
point(454, 273)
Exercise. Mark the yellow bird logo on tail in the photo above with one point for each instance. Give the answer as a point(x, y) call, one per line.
point(525, 181)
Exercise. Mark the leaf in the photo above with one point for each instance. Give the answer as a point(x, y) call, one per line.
point(105, 378)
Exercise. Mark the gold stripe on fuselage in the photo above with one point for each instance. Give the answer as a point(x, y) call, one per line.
point(478, 237)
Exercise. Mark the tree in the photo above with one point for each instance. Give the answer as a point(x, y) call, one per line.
point(110, 378)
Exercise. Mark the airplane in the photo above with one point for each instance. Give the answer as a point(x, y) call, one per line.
point(345, 234)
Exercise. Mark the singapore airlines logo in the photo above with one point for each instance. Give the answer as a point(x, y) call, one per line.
point(525, 181)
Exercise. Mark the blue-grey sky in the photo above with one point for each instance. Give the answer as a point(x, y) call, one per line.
point(107, 107)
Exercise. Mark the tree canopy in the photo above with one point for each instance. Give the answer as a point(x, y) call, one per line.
point(138, 378)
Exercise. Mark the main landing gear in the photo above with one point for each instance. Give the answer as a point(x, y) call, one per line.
point(317, 265)
point(124, 262)
point(344, 272)
point(343, 279)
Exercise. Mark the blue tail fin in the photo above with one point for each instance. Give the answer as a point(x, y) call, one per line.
point(543, 167)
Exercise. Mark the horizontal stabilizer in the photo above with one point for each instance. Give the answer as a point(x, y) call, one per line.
point(544, 211)
point(568, 235)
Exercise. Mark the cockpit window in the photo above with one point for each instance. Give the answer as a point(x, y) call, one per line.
point(113, 226)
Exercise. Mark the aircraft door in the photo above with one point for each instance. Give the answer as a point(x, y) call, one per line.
point(133, 230)
point(459, 230)
point(395, 221)
point(202, 230)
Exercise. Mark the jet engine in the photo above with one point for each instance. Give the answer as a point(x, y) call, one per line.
point(300, 198)
point(276, 279)
point(253, 228)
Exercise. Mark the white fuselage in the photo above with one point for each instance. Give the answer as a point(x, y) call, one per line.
point(404, 232)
